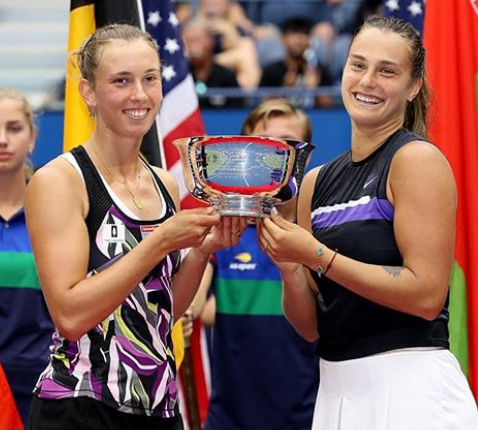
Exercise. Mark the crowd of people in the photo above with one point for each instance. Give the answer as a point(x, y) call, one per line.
point(299, 45)
point(340, 321)
point(255, 46)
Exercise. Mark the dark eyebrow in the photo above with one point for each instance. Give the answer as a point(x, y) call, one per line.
point(121, 74)
point(125, 73)
point(14, 122)
point(382, 62)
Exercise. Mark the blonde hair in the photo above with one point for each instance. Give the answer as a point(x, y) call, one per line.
point(274, 108)
point(89, 54)
point(12, 94)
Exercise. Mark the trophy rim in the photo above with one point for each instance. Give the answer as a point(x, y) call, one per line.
point(225, 138)
point(200, 186)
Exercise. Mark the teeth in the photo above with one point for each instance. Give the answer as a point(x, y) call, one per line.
point(367, 99)
point(136, 113)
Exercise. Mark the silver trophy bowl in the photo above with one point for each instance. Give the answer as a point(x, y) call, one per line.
point(243, 175)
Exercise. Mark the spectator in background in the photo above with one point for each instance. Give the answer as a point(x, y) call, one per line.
point(184, 10)
point(230, 10)
point(299, 68)
point(234, 46)
point(264, 375)
point(332, 33)
point(365, 9)
point(25, 324)
point(55, 96)
point(333, 22)
point(207, 73)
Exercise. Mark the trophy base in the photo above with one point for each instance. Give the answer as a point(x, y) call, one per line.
point(247, 206)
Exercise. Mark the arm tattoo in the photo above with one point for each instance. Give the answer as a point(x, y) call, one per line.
point(393, 270)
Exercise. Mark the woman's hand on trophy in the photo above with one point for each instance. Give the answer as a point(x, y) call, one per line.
point(286, 243)
point(227, 233)
point(189, 227)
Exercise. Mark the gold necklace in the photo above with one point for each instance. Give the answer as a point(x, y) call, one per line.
point(137, 202)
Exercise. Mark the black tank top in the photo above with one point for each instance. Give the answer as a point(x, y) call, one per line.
point(351, 212)
point(126, 361)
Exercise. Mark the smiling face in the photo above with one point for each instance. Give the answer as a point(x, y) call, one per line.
point(377, 81)
point(17, 137)
point(127, 91)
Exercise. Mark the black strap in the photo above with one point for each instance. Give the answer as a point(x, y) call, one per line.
point(99, 199)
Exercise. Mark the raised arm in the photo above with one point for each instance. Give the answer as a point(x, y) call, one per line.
point(56, 208)
point(243, 60)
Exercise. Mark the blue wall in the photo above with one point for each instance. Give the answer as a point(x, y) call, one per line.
point(331, 132)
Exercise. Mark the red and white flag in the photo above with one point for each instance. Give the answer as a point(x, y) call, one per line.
point(179, 115)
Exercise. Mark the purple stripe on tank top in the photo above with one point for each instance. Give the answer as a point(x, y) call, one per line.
point(157, 381)
point(173, 389)
point(164, 329)
point(155, 284)
point(132, 357)
point(374, 209)
point(53, 390)
point(96, 386)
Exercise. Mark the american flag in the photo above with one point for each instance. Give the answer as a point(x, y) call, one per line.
point(179, 115)
point(412, 11)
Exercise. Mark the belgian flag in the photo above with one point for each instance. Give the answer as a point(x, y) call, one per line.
point(78, 124)
point(85, 17)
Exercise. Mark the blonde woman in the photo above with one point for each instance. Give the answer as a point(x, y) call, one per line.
point(26, 326)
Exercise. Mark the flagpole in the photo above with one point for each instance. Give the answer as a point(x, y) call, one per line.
point(162, 156)
point(190, 390)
